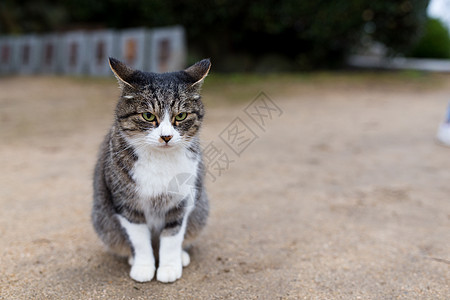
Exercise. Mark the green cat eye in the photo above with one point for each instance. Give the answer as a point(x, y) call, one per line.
point(149, 117)
point(181, 116)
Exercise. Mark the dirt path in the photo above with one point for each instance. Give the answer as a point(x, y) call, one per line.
point(345, 195)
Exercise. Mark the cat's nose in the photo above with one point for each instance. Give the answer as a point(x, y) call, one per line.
point(166, 138)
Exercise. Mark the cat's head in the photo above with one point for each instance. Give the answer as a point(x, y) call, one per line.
point(161, 111)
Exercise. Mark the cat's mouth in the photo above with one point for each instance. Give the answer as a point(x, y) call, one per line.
point(166, 146)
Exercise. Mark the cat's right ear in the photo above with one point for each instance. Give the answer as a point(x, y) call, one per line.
point(198, 72)
point(122, 72)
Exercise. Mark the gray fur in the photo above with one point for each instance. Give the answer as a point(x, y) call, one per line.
point(114, 187)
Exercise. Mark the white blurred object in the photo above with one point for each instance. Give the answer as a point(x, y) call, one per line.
point(399, 63)
point(440, 9)
point(443, 134)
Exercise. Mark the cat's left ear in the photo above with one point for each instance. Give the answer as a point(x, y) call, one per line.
point(198, 72)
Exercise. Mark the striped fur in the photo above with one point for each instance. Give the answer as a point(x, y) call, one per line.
point(136, 169)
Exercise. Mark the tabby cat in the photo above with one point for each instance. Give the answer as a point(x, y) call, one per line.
point(148, 181)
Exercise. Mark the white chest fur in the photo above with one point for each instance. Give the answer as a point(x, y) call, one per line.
point(154, 171)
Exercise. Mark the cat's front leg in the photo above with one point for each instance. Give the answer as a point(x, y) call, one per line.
point(143, 262)
point(172, 258)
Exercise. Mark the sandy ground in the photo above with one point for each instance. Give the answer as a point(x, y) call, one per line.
point(346, 195)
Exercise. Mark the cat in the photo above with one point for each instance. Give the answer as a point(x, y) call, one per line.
point(149, 178)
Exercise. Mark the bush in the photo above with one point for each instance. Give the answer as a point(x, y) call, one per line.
point(435, 43)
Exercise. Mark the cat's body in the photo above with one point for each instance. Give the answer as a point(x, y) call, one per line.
point(148, 181)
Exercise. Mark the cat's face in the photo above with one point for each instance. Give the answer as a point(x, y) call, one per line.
point(161, 111)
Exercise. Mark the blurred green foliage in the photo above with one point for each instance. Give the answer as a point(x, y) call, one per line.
point(435, 43)
point(25, 16)
point(244, 34)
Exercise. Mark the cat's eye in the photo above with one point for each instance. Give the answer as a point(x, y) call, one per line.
point(149, 116)
point(181, 116)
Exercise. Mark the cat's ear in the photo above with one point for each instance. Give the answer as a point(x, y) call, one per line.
point(198, 72)
point(122, 72)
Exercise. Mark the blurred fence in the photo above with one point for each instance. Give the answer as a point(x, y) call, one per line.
point(87, 52)
point(399, 63)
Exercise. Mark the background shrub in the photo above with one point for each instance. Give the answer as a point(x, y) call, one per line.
point(435, 43)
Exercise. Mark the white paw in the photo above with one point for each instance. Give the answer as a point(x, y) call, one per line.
point(130, 260)
point(185, 259)
point(142, 273)
point(169, 273)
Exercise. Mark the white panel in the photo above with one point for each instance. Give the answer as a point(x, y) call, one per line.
point(74, 53)
point(50, 54)
point(102, 44)
point(134, 48)
point(28, 54)
point(167, 49)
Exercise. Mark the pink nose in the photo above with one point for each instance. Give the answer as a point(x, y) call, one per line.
point(166, 138)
